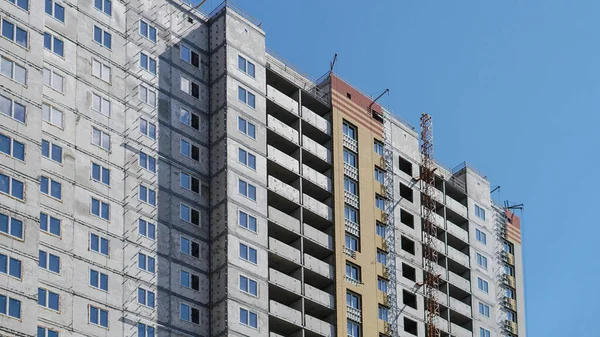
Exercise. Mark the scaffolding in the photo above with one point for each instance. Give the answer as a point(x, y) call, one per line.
point(500, 220)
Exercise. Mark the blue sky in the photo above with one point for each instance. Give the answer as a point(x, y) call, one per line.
point(513, 88)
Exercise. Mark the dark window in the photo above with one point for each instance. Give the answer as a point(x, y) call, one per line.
point(348, 95)
point(407, 245)
point(408, 272)
point(405, 166)
point(406, 192)
point(410, 326)
point(407, 218)
point(409, 299)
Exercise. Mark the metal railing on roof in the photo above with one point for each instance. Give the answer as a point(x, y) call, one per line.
point(230, 5)
point(470, 167)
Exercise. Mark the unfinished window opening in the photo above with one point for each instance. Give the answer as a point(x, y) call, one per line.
point(409, 299)
point(408, 245)
point(405, 166)
point(407, 218)
point(348, 95)
point(410, 326)
point(406, 192)
point(408, 272)
point(377, 116)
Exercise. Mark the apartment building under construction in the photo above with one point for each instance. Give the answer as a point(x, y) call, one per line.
point(164, 174)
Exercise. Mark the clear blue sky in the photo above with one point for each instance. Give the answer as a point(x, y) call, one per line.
point(513, 88)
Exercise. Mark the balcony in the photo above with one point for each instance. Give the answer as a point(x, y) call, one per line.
point(316, 120)
point(459, 331)
point(284, 220)
point(510, 303)
point(319, 296)
point(350, 171)
point(439, 270)
point(318, 266)
point(437, 195)
point(352, 227)
point(354, 314)
point(282, 129)
point(351, 199)
point(509, 280)
point(511, 326)
point(283, 159)
point(282, 100)
point(459, 307)
point(316, 177)
point(318, 326)
point(456, 206)
point(508, 257)
point(439, 246)
point(458, 256)
point(317, 207)
point(441, 297)
point(459, 281)
point(316, 149)
point(349, 143)
point(284, 281)
point(283, 250)
point(285, 313)
point(457, 231)
point(319, 237)
point(284, 189)
point(437, 219)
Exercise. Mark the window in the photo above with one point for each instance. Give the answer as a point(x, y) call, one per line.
point(379, 175)
point(408, 272)
point(482, 260)
point(10, 266)
point(352, 300)
point(380, 229)
point(147, 195)
point(349, 130)
point(484, 333)
point(10, 307)
point(247, 97)
point(51, 187)
point(248, 318)
point(101, 138)
point(53, 80)
point(147, 31)
point(480, 212)
point(54, 44)
point(98, 280)
point(101, 104)
point(51, 151)
point(146, 263)
point(100, 209)
point(248, 285)
point(382, 284)
point(189, 214)
point(190, 56)
point(147, 95)
point(190, 280)
point(189, 119)
point(13, 70)
point(509, 270)
point(102, 37)
point(484, 309)
point(407, 218)
point(248, 253)
point(351, 242)
point(508, 247)
point(350, 158)
point(100, 174)
point(24, 4)
point(189, 182)
point(190, 87)
point(378, 147)
point(352, 272)
point(49, 224)
point(353, 329)
point(12, 109)
point(189, 247)
point(382, 313)
point(509, 293)
point(101, 70)
point(480, 236)
point(11, 226)
point(247, 221)
point(48, 299)
point(15, 33)
point(98, 316)
point(381, 257)
point(380, 202)
point(350, 214)
point(145, 330)
point(45, 332)
point(147, 229)
point(148, 63)
point(104, 6)
point(11, 186)
point(246, 189)
point(189, 150)
point(12, 147)
point(146, 297)
point(409, 299)
point(482, 285)
point(246, 66)
point(406, 192)
point(247, 158)
point(52, 115)
point(246, 128)
point(350, 186)
point(49, 261)
point(511, 316)
point(147, 162)
point(405, 166)
point(98, 244)
point(189, 314)
point(55, 10)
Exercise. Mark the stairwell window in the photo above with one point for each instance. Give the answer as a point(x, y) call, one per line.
point(190, 87)
point(101, 139)
point(49, 224)
point(350, 214)
point(482, 285)
point(98, 316)
point(100, 174)
point(148, 63)
point(350, 186)
point(147, 31)
point(144, 330)
point(98, 280)
point(102, 37)
point(48, 299)
point(189, 150)
point(248, 285)
point(247, 221)
point(146, 263)
point(146, 297)
point(147, 229)
point(479, 212)
point(98, 244)
point(12, 148)
point(246, 189)
point(246, 128)
point(55, 10)
point(100, 209)
point(379, 175)
point(189, 280)
point(189, 247)
point(351, 242)
point(247, 97)
point(13, 70)
point(15, 33)
point(12, 109)
point(247, 158)
point(189, 118)
point(147, 95)
point(350, 158)
point(484, 309)
point(10, 266)
point(481, 260)
point(147, 195)
point(246, 66)
point(189, 314)
point(249, 318)
point(189, 214)
point(480, 236)
point(190, 56)
point(101, 70)
point(189, 182)
point(380, 202)
point(248, 253)
point(378, 147)
point(51, 187)
point(101, 104)
point(349, 130)
point(147, 162)
point(52, 151)
point(11, 186)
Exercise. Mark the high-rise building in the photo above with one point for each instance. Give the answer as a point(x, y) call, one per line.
point(164, 174)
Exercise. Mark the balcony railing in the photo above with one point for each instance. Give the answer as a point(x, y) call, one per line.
point(282, 100)
point(316, 149)
point(317, 207)
point(316, 177)
point(282, 129)
point(284, 250)
point(284, 220)
point(354, 314)
point(319, 326)
point(285, 281)
point(351, 199)
point(285, 313)
point(283, 159)
point(352, 227)
point(350, 171)
point(459, 281)
point(319, 296)
point(459, 331)
point(319, 237)
point(349, 143)
point(284, 189)
point(460, 307)
point(318, 266)
point(316, 120)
